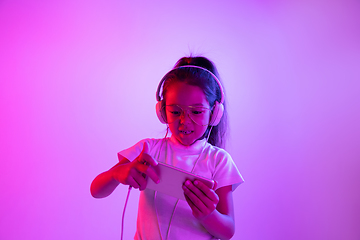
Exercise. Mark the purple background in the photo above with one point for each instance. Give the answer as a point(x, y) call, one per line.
point(77, 85)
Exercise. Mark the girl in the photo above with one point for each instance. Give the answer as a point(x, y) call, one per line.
point(191, 103)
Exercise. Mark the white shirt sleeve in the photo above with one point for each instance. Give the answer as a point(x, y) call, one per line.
point(133, 152)
point(226, 173)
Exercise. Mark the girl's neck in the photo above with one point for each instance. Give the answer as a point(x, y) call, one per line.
point(198, 144)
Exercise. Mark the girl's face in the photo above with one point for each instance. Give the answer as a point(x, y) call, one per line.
point(183, 127)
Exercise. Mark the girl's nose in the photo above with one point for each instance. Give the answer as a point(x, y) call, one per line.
point(184, 117)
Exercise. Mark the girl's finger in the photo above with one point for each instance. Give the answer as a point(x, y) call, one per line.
point(149, 171)
point(196, 196)
point(140, 180)
point(198, 208)
point(205, 202)
point(144, 156)
point(149, 160)
point(210, 193)
point(196, 211)
point(198, 192)
point(132, 182)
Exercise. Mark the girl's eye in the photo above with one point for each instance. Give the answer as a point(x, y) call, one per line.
point(197, 112)
point(175, 112)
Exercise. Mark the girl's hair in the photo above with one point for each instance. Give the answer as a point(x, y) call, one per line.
point(211, 89)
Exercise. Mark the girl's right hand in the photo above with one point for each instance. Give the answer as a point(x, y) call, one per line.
point(134, 173)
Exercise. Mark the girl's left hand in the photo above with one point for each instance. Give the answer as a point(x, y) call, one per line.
point(202, 199)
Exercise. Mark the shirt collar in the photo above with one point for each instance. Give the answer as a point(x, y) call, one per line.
point(195, 147)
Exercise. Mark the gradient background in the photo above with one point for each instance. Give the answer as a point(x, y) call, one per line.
point(78, 81)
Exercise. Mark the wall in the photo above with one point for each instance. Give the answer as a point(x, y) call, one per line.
point(77, 85)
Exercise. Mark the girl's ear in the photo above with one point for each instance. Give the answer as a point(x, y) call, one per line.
point(216, 114)
point(160, 112)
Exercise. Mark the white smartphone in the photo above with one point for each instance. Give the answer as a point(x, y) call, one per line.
point(172, 180)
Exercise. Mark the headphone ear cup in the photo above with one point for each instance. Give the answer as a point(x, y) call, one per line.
point(216, 114)
point(160, 112)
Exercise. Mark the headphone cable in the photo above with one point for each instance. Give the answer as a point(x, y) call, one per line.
point(123, 215)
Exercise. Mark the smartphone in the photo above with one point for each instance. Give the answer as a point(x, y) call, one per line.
point(172, 180)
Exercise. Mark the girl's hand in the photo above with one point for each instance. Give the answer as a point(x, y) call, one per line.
point(202, 199)
point(134, 173)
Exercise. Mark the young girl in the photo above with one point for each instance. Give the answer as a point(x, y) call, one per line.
point(191, 103)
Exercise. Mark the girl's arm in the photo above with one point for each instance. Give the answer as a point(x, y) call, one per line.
point(125, 172)
point(214, 209)
point(104, 184)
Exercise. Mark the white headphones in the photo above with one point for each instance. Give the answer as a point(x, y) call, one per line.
point(218, 108)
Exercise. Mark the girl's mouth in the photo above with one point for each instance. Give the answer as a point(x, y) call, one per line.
point(186, 132)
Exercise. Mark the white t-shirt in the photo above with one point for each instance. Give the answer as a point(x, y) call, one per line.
point(162, 213)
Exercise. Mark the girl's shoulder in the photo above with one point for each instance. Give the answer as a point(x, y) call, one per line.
point(132, 152)
point(154, 143)
point(218, 152)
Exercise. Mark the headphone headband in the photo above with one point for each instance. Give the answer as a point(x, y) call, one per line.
point(158, 98)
